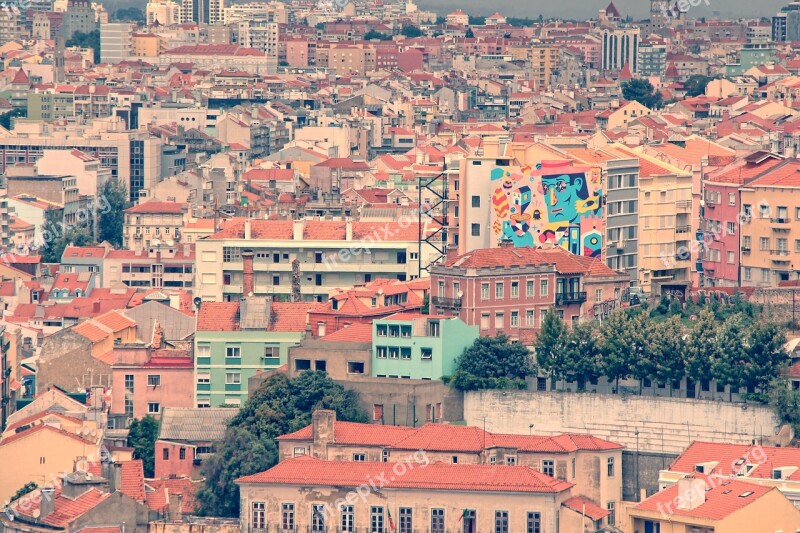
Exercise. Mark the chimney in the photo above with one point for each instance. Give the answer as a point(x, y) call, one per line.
point(248, 277)
point(247, 231)
point(506, 243)
point(116, 481)
point(186, 250)
point(47, 503)
point(322, 423)
point(96, 306)
point(691, 493)
point(348, 230)
point(175, 506)
point(298, 230)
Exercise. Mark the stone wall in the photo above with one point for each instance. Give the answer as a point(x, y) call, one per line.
point(665, 425)
point(648, 465)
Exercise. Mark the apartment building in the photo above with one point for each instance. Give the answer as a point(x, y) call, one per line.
point(154, 223)
point(772, 231)
point(416, 346)
point(328, 254)
point(235, 340)
point(24, 182)
point(667, 246)
point(508, 290)
point(133, 157)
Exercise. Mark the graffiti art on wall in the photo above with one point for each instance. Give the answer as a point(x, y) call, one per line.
point(554, 202)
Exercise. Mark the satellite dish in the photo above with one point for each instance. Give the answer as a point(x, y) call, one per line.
point(197, 301)
point(36, 513)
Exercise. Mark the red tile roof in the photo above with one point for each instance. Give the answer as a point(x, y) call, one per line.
point(33, 418)
point(292, 316)
point(784, 175)
point(563, 261)
point(353, 333)
point(83, 252)
point(155, 206)
point(90, 331)
point(218, 316)
point(307, 471)
point(42, 427)
point(763, 458)
point(583, 505)
point(723, 497)
point(131, 477)
point(176, 486)
point(71, 282)
point(115, 321)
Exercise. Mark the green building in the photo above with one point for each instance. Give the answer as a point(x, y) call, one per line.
point(752, 55)
point(235, 340)
point(416, 346)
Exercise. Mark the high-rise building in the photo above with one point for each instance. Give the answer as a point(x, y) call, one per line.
point(620, 47)
point(79, 17)
point(165, 12)
point(202, 11)
point(786, 24)
point(116, 42)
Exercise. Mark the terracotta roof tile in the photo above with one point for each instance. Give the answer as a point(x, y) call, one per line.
point(175, 486)
point(307, 471)
point(292, 316)
point(131, 477)
point(353, 333)
point(115, 321)
point(218, 316)
point(583, 505)
point(41, 427)
point(732, 458)
point(155, 206)
point(91, 331)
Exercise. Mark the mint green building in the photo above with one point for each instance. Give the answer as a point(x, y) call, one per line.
point(230, 349)
point(752, 55)
point(416, 346)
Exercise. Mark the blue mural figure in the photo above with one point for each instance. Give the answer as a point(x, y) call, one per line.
point(593, 244)
point(567, 198)
point(519, 236)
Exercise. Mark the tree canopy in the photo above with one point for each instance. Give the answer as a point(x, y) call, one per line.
point(87, 40)
point(411, 31)
point(113, 200)
point(142, 435)
point(493, 363)
point(642, 91)
point(696, 84)
point(57, 235)
point(376, 35)
point(280, 405)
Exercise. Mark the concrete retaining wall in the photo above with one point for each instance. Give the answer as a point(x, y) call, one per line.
point(665, 425)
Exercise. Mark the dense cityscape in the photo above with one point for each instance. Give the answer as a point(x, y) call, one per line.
point(366, 266)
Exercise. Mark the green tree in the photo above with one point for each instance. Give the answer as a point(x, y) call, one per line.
point(142, 435)
point(786, 403)
point(765, 358)
point(87, 40)
point(493, 363)
point(581, 355)
point(376, 35)
point(126, 14)
point(551, 346)
point(57, 235)
point(732, 352)
point(280, 405)
point(426, 304)
point(617, 358)
point(27, 488)
point(469, 34)
point(411, 31)
point(702, 348)
point(696, 85)
point(642, 91)
point(112, 202)
point(667, 349)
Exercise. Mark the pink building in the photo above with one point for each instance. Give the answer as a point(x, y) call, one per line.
point(297, 51)
point(720, 222)
point(508, 290)
point(145, 380)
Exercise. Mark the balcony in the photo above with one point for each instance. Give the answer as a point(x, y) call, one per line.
point(683, 229)
point(779, 220)
point(569, 298)
point(780, 252)
point(683, 205)
point(745, 250)
point(446, 303)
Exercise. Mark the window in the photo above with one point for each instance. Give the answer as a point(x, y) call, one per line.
point(763, 211)
point(165, 454)
point(612, 517)
point(129, 383)
point(498, 290)
point(484, 291)
point(317, 517)
point(610, 467)
point(731, 198)
point(359, 457)
point(384, 456)
point(484, 320)
point(765, 275)
point(381, 352)
point(348, 519)
point(182, 454)
point(501, 521)
point(437, 521)
point(203, 350)
point(573, 468)
point(782, 245)
point(299, 451)
point(377, 412)
point(259, 515)
point(548, 467)
point(426, 353)
point(376, 519)
point(355, 367)
point(747, 274)
point(763, 243)
point(233, 378)
point(454, 459)
point(529, 288)
point(731, 228)
point(534, 523)
point(598, 295)
point(476, 201)
point(153, 408)
point(287, 516)
point(514, 319)
point(233, 351)
point(731, 258)
point(406, 520)
point(515, 289)
point(476, 230)
point(154, 380)
point(511, 460)
point(530, 318)
point(543, 288)
point(381, 330)
point(499, 320)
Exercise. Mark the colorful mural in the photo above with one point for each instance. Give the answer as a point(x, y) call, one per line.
point(553, 202)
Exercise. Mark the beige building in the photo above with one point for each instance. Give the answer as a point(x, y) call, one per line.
point(147, 45)
point(154, 223)
point(310, 494)
point(544, 60)
point(619, 117)
point(591, 465)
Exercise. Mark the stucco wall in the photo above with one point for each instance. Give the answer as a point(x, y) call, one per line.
point(665, 425)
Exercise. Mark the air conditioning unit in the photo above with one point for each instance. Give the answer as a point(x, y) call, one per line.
point(620, 245)
point(611, 244)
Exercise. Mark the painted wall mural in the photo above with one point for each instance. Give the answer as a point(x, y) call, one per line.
point(552, 202)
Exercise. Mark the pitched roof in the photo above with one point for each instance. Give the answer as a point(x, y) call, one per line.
point(115, 321)
point(131, 482)
point(183, 486)
point(732, 458)
point(218, 316)
point(352, 333)
point(292, 316)
point(65, 509)
point(189, 424)
point(90, 331)
point(563, 261)
point(155, 206)
point(307, 471)
point(723, 497)
point(583, 505)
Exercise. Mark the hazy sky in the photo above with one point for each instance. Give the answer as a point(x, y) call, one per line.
point(583, 9)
